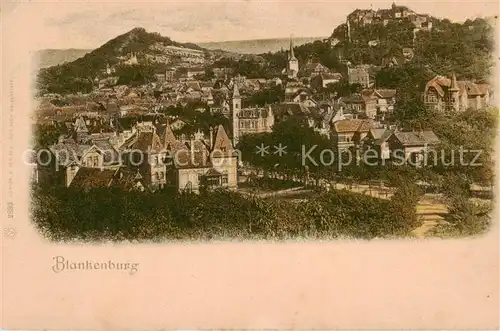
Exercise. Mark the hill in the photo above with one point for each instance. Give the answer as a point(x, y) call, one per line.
point(440, 46)
point(80, 75)
point(257, 46)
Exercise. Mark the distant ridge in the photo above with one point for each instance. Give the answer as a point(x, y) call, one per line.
point(51, 57)
point(257, 46)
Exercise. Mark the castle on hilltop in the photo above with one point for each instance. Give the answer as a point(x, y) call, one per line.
point(363, 17)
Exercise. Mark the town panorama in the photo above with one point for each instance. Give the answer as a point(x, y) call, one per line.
point(384, 129)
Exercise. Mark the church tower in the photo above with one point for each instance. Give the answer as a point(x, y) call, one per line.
point(293, 63)
point(236, 107)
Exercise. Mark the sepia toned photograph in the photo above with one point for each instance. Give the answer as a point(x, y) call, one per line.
point(381, 125)
point(241, 164)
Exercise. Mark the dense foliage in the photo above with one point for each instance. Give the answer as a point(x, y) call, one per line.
point(466, 216)
point(295, 136)
point(108, 214)
point(267, 65)
point(46, 135)
point(465, 49)
point(268, 96)
point(135, 75)
point(197, 116)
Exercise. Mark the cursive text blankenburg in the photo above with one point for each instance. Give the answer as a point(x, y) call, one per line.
point(62, 264)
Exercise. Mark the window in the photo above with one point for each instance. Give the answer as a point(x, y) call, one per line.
point(223, 149)
point(431, 97)
point(213, 181)
point(162, 175)
point(224, 180)
point(96, 161)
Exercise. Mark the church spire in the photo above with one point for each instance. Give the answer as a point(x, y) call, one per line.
point(236, 91)
point(292, 55)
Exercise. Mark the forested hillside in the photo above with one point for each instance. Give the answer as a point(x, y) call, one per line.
point(80, 75)
point(465, 49)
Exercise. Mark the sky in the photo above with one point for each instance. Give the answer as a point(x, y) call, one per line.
point(87, 25)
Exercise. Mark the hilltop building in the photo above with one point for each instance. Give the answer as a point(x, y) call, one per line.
point(363, 17)
point(132, 60)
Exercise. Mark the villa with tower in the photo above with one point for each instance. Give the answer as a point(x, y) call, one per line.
point(249, 119)
point(444, 94)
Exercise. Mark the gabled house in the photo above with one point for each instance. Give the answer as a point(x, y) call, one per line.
point(91, 178)
point(376, 139)
point(362, 75)
point(284, 110)
point(411, 146)
point(322, 80)
point(362, 105)
point(385, 99)
point(312, 69)
point(329, 113)
point(304, 98)
point(349, 133)
point(144, 151)
point(444, 94)
point(62, 161)
point(224, 162)
point(292, 88)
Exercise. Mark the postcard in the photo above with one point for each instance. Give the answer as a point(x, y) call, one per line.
point(249, 165)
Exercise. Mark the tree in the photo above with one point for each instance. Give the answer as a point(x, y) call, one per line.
point(268, 96)
point(343, 88)
point(46, 135)
point(403, 208)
